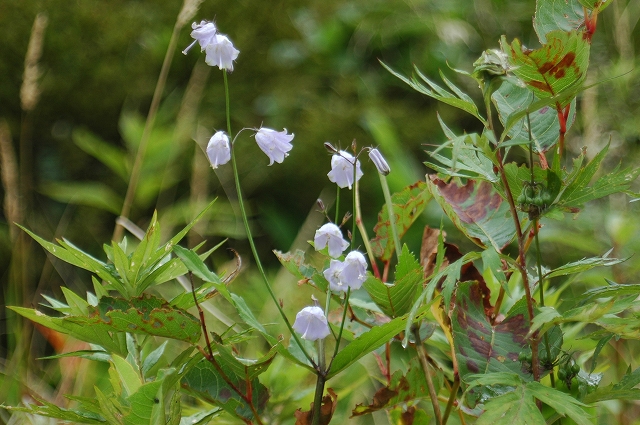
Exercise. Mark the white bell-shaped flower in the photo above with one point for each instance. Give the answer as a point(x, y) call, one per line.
point(275, 144)
point(221, 53)
point(329, 235)
point(218, 149)
point(311, 323)
point(204, 33)
point(354, 270)
point(341, 172)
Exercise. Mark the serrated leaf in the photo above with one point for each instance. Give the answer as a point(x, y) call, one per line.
point(565, 15)
point(204, 380)
point(438, 93)
point(510, 99)
point(369, 341)
point(515, 407)
point(404, 388)
point(247, 369)
point(96, 335)
point(562, 403)
point(581, 266)
point(471, 157)
point(396, 299)
point(408, 204)
point(146, 314)
point(555, 67)
point(477, 209)
point(578, 191)
point(482, 346)
point(50, 410)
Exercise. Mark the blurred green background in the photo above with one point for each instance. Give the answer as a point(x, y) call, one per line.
point(309, 66)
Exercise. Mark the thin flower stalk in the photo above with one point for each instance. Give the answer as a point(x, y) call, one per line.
point(392, 216)
point(245, 220)
point(365, 236)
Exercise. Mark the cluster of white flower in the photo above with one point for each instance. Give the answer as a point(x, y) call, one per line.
point(221, 53)
point(343, 163)
point(218, 48)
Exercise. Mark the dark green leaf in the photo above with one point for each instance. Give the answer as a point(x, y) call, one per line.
point(396, 299)
point(566, 15)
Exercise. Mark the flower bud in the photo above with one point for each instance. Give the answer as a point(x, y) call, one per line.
point(379, 161)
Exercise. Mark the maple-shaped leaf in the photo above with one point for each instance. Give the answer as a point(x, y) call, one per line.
point(558, 65)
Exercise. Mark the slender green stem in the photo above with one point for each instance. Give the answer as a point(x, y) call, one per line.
point(337, 220)
point(392, 216)
point(317, 399)
point(452, 397)
point(245, 220)
point(422, 356)
point(344, 317)
point(365, 237)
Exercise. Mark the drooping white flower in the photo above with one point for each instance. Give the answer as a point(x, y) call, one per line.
point(221, 53)
point(332, 274)
point(331, 236)
point(203, 33)
point(379, 161)
point(275, 144)
point(354, 270)
point(341, 172)
point(311, 323)
point(218, 149)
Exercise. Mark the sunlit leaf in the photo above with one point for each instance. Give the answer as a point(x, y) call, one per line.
point(553, 68)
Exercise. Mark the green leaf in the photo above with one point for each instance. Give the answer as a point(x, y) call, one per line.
point(152, 358)
point(369, 341)
point(477, 209)
point(146, 315)
point(246, 369)
point(92, 194)
point(128, 375)
point(107, 153)
point(511, 99)
point(555, 67)
point(94, 335)
point(578, 192)
point(458, 100)
point(581, 266)
point(561, 402)
point(195, 264)
point(408, 204)
point(404, 388)
point(515, 407)
point(471, 158)
point(50, 410)
point(482, 346)
point(565, 15)
point(395, 300)
point(207, 383)
point(295, 264)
